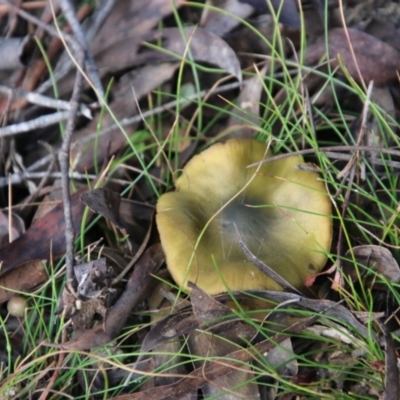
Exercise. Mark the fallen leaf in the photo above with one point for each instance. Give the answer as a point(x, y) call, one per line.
point(115, 46)
point(202, 343)
point(17, 228)
point(16, 52)
point(45, 238)
point(378, 258)
point(22, 279)
point(204, 46)
point(392, 387)
point(375, 60)
point(207, 345)
point(104, 202)
point(281, 358)
point(220, 21)
point(202, 375)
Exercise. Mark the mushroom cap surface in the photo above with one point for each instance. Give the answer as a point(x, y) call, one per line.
point(281, 212)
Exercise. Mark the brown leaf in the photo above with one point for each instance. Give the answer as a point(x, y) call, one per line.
point(119, 211)
point(43, 239)
point(208, 310)
point(379, 258)
point(174, 325)
point(22, 279)
point(104, 202)
point(116, 45)
point(205, 307)
point(392, 389)
point(205, 344)
point(220, 21)
point(374, 59)
point(202, 375)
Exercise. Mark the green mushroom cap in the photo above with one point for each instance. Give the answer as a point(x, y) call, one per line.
point(281, 212)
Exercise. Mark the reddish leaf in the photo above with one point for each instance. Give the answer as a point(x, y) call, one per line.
point(44, 238)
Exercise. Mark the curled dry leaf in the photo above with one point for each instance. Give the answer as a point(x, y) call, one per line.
point(16, 52)
point(17, 228)
point(22, 279)
point(378, 258)
point(375, 60)
point(205, 344)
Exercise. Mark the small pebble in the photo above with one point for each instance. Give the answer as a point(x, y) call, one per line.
point(16, 306)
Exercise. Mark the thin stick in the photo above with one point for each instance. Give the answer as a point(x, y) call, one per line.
point(90, 65)
point(63, 157)
point(44, 101)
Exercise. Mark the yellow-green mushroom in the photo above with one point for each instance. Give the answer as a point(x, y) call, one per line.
point(281, 211)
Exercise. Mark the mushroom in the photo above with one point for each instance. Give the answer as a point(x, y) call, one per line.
point(282, 213)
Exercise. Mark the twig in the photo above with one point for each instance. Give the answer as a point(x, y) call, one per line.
point(19, 177)
point(90, 65)
point(64, 166)
point(327, 150)
point(33, 124)
point(44, 101)
point(264, 268)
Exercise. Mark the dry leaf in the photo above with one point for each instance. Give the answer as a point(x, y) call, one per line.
point(378, 258)
point(376, 60)
point(43, 239)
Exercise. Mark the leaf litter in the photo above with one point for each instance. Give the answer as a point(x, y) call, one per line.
point(182, 345)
